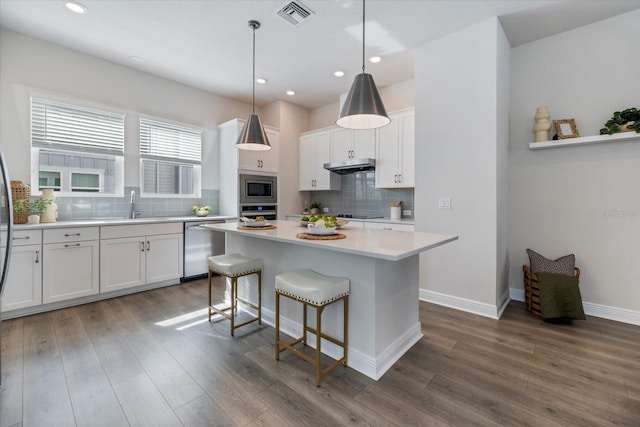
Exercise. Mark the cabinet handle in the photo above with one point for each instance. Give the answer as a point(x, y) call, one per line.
point(148, 246)
point(37, 257)
point(399, 177)
point(21, 238)
point(70, 235)
point(387, 228)
point(141, 246)
point(395, 178)
point(69, 245)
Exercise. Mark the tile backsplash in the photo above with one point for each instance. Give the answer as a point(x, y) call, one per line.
point(359, 196)
point(77, 208)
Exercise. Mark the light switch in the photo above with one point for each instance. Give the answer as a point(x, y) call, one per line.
point(444, 203)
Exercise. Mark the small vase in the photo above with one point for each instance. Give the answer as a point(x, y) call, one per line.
point(542, 126)
point(33, 219)
point(49, 214)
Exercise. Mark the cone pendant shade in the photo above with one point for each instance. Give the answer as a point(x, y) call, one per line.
point(253, 136)
point(363, 107)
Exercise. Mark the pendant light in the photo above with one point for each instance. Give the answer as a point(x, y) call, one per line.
point(363, 107)
point(253, 136)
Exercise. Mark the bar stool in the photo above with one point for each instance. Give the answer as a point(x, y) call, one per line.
point(233, 266)
point(318, 291)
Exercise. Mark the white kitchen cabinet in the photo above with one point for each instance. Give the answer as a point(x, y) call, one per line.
point(24, 281)
point(395, 151)
point(261, 161)
point(152, 253)
point(352, 144)
point(70, 263)
point(314, 151)
point(389, 226)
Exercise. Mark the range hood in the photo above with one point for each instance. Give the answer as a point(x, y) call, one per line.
point(351, 166)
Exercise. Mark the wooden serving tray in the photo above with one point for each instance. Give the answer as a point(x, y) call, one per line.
point(266, 227)
point(309, 236)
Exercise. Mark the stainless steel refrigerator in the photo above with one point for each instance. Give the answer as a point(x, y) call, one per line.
point(6, 224)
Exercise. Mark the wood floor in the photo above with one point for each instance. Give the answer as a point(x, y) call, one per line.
point(134, 361)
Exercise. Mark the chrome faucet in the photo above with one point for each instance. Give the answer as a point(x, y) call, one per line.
point(133, 214)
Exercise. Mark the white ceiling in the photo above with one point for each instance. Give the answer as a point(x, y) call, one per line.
point(207, 43)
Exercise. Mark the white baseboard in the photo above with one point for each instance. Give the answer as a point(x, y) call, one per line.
point(363, 363)
point(480, 308)
point(597, 310)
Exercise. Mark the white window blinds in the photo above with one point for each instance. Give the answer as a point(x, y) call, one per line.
point(76, 127)
point(170, 141)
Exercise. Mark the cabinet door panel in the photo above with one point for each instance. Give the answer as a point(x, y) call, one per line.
point(364, 144)
point(323, 150)
point(387, 154)
point(24, 281)
point(307, 164)
point(70, 270)
point(407, 139)
point(268, 159)
point(164, 257)
point(341, 144)
point(122, 263)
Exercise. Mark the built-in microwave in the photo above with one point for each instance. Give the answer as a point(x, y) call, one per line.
point(261, 189)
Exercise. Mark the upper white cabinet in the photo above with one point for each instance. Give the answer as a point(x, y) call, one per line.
point(70, 267)
point(352, 144)
point(314, 151)
point(24, 281)
point(249, 160)
point(395, 151)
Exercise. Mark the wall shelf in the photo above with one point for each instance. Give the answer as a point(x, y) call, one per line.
point(625, 136)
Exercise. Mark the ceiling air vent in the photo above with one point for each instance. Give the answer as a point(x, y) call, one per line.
point(294, 13)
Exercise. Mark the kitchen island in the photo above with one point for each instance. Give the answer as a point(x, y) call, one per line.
point(382, 265)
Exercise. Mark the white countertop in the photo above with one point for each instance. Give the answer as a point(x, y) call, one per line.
point(120, 221)
point(384, 244)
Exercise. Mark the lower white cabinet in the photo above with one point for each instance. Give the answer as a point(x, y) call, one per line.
point(147, 258)
point(70, 264)
point(24, 282)
point(390, 226)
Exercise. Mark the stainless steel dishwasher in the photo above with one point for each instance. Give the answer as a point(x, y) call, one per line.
point(199, 244)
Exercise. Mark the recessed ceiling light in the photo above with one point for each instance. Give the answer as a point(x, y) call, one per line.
point(76, 7)
point(136, 60)
point(339, 73)
point(291, 92)
point(375, 59)
point(261, 81)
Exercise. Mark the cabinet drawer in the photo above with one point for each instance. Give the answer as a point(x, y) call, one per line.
point(23, 237)
point(77, 234)
point(390, 226)
point(121, 231)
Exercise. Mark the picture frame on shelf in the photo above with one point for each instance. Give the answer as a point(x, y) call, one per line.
point(566, 128)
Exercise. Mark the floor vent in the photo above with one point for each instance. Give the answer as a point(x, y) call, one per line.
point(294, 13)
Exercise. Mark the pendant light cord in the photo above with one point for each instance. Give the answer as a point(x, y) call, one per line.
point(253, 99)
point(363, 5)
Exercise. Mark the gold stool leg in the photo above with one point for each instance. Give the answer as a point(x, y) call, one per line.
point(346, 328)
point(209, 306)
point(277, 325)
point(304, 322)
point(234, 294)
point(260, 297)
point(318, 340)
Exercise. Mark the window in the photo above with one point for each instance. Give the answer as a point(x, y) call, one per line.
point(170, 159)
point(76, 150)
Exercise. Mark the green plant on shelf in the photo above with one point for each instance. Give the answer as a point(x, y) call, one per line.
point(39, 205)
point(629, 119)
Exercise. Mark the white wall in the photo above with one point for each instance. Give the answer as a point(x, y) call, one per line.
point(395, 97)
point(583, 200)
point(27, 63)
point(458, 138)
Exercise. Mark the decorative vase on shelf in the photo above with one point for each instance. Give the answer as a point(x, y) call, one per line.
point(49, 214)
point(542, 126)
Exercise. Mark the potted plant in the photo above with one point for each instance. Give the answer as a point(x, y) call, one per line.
point(36, 207)
point(622, 121)
point(315, 207)
point(20, 211)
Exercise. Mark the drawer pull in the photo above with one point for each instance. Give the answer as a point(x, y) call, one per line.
point(69, 245)
point(71, 235)
point(22, 238)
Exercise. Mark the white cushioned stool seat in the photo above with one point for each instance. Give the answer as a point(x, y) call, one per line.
point(234, 264)
point(317, 291)
point(309, 286)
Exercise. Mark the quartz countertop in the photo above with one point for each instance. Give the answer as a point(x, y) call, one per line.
point(97, 222)
point(391, 245)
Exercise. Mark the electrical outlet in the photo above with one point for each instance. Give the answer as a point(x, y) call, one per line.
point(325, 210)
point(406, 212)
point(444, 203)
